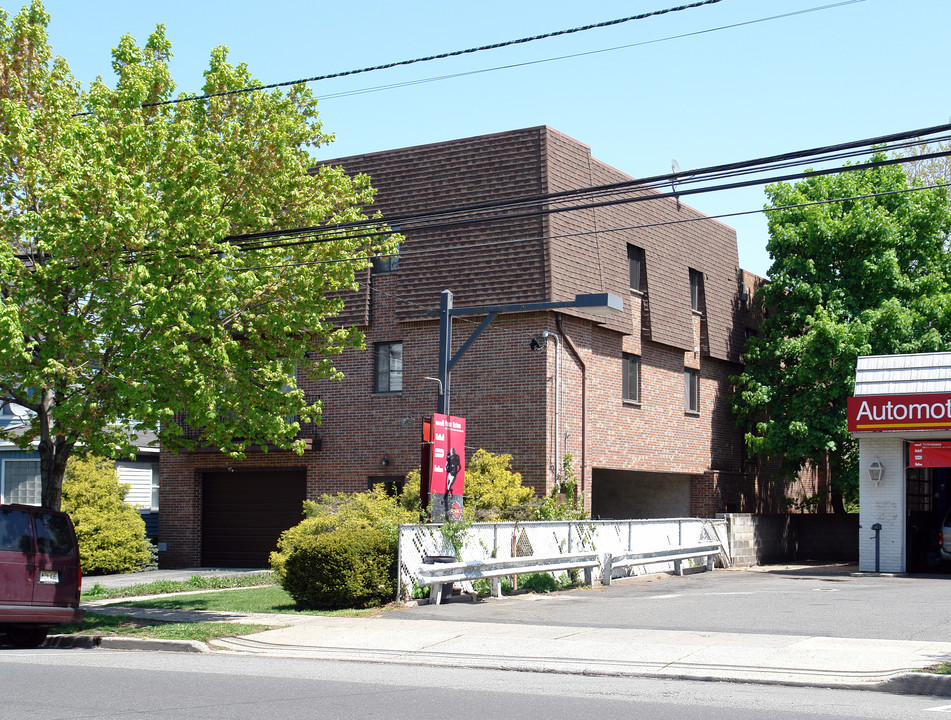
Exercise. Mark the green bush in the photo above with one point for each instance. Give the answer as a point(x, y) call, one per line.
point(343, 568)
point(338, 520)
point(110, 532)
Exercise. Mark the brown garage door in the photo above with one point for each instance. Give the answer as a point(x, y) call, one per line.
point(244, 513)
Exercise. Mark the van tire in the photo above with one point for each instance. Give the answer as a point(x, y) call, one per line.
point(29, 637)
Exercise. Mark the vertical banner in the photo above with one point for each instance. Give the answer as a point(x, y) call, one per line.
point(448, 467)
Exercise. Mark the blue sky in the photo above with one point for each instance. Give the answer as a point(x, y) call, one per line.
point(858, 70)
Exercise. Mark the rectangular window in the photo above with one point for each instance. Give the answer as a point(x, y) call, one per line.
point(635, 263)
point(632, 378)
point(386, 264)
point(696, 291)
point(21, 482)
point(389, 367)
point(691, 391)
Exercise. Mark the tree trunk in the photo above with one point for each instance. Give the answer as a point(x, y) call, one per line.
point(54, 452)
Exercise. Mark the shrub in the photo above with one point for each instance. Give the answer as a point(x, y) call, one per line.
point(492, 488)
point(341, 517)
point(110, 532)
point(541, 583)
point(346, 567)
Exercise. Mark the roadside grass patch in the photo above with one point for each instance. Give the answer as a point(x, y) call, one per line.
point(195, 582)
point(125, 626)
point(939, 669)
point(270, 599)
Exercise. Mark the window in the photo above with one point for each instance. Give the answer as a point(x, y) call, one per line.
point(696, 291)
point(635, 263)
point(389, 368)
point(15, 531)
point(386, 264)
point(155, 487)
point(632, 378)
point(21, 482)
point(691, 391)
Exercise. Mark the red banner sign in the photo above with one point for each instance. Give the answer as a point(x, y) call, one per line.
point(929, 454)
point(448, 466)
point(899, 412)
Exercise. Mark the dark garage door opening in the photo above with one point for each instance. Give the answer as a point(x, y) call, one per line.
point(244, 513)
point(625, 494)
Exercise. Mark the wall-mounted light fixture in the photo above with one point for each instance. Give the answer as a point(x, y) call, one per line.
point(876, 471)
point(385, 461)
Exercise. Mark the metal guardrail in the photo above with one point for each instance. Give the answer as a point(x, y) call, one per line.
point(441, 576)
point(544, 539)
point(676, 555)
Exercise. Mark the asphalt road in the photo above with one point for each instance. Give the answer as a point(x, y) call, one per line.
point(111, 685)
point(829, 602)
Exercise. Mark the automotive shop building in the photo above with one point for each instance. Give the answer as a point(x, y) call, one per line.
point(901, 415)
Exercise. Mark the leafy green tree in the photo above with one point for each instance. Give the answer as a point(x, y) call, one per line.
point(128, 286)
point(110, 532)
point(868, 275)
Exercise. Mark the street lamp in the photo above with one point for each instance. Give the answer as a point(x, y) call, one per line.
point(592, 303)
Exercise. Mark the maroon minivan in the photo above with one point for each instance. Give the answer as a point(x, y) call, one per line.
point(40, 578)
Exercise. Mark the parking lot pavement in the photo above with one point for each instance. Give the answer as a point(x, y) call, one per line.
point(815, 600)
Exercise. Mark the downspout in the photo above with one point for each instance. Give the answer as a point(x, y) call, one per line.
point(557, 460)
point(559, 323)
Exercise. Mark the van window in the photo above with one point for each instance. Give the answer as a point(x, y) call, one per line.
point(53, 535)
point(14, 530)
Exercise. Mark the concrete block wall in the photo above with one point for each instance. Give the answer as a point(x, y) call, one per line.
point(778, 538)
point(884, 503)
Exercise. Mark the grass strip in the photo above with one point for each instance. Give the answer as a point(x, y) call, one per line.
point(125, 626)
point(270, 599)
point(163, 587)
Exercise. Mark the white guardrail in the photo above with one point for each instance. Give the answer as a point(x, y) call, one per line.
point(486, 544)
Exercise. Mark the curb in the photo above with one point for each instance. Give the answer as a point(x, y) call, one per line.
point(107, 642)
point(918, 684)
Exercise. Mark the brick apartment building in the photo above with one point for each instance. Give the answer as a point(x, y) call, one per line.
point(640, 399)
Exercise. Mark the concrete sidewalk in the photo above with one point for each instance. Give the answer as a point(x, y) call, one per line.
point(785, 659)
point(534, 633)
point(796, 660)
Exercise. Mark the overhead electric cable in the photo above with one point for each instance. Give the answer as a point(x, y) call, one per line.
point(582, 233)
point(528, 63)
point(248, 240)
point(442, 56)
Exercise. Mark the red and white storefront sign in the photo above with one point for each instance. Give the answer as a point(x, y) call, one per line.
point(935, 453)
point(879, 413)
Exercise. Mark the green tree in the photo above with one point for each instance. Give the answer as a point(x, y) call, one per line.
point(868, 275)
point(128, 286)
point(110, 532)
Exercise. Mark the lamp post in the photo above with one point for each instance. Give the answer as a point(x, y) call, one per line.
point(594, 303)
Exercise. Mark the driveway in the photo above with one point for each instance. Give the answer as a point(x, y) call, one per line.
point(827, 601)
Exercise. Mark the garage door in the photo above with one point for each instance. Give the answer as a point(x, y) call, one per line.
point(624, 495)
point(244, 513)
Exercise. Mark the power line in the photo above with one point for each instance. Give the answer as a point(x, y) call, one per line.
point(441, 219)
point(816, 154)
point(583, 233)
point(528, 63)
point(443, 56)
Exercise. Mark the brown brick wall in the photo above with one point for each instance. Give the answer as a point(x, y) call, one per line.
point(504, 390)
